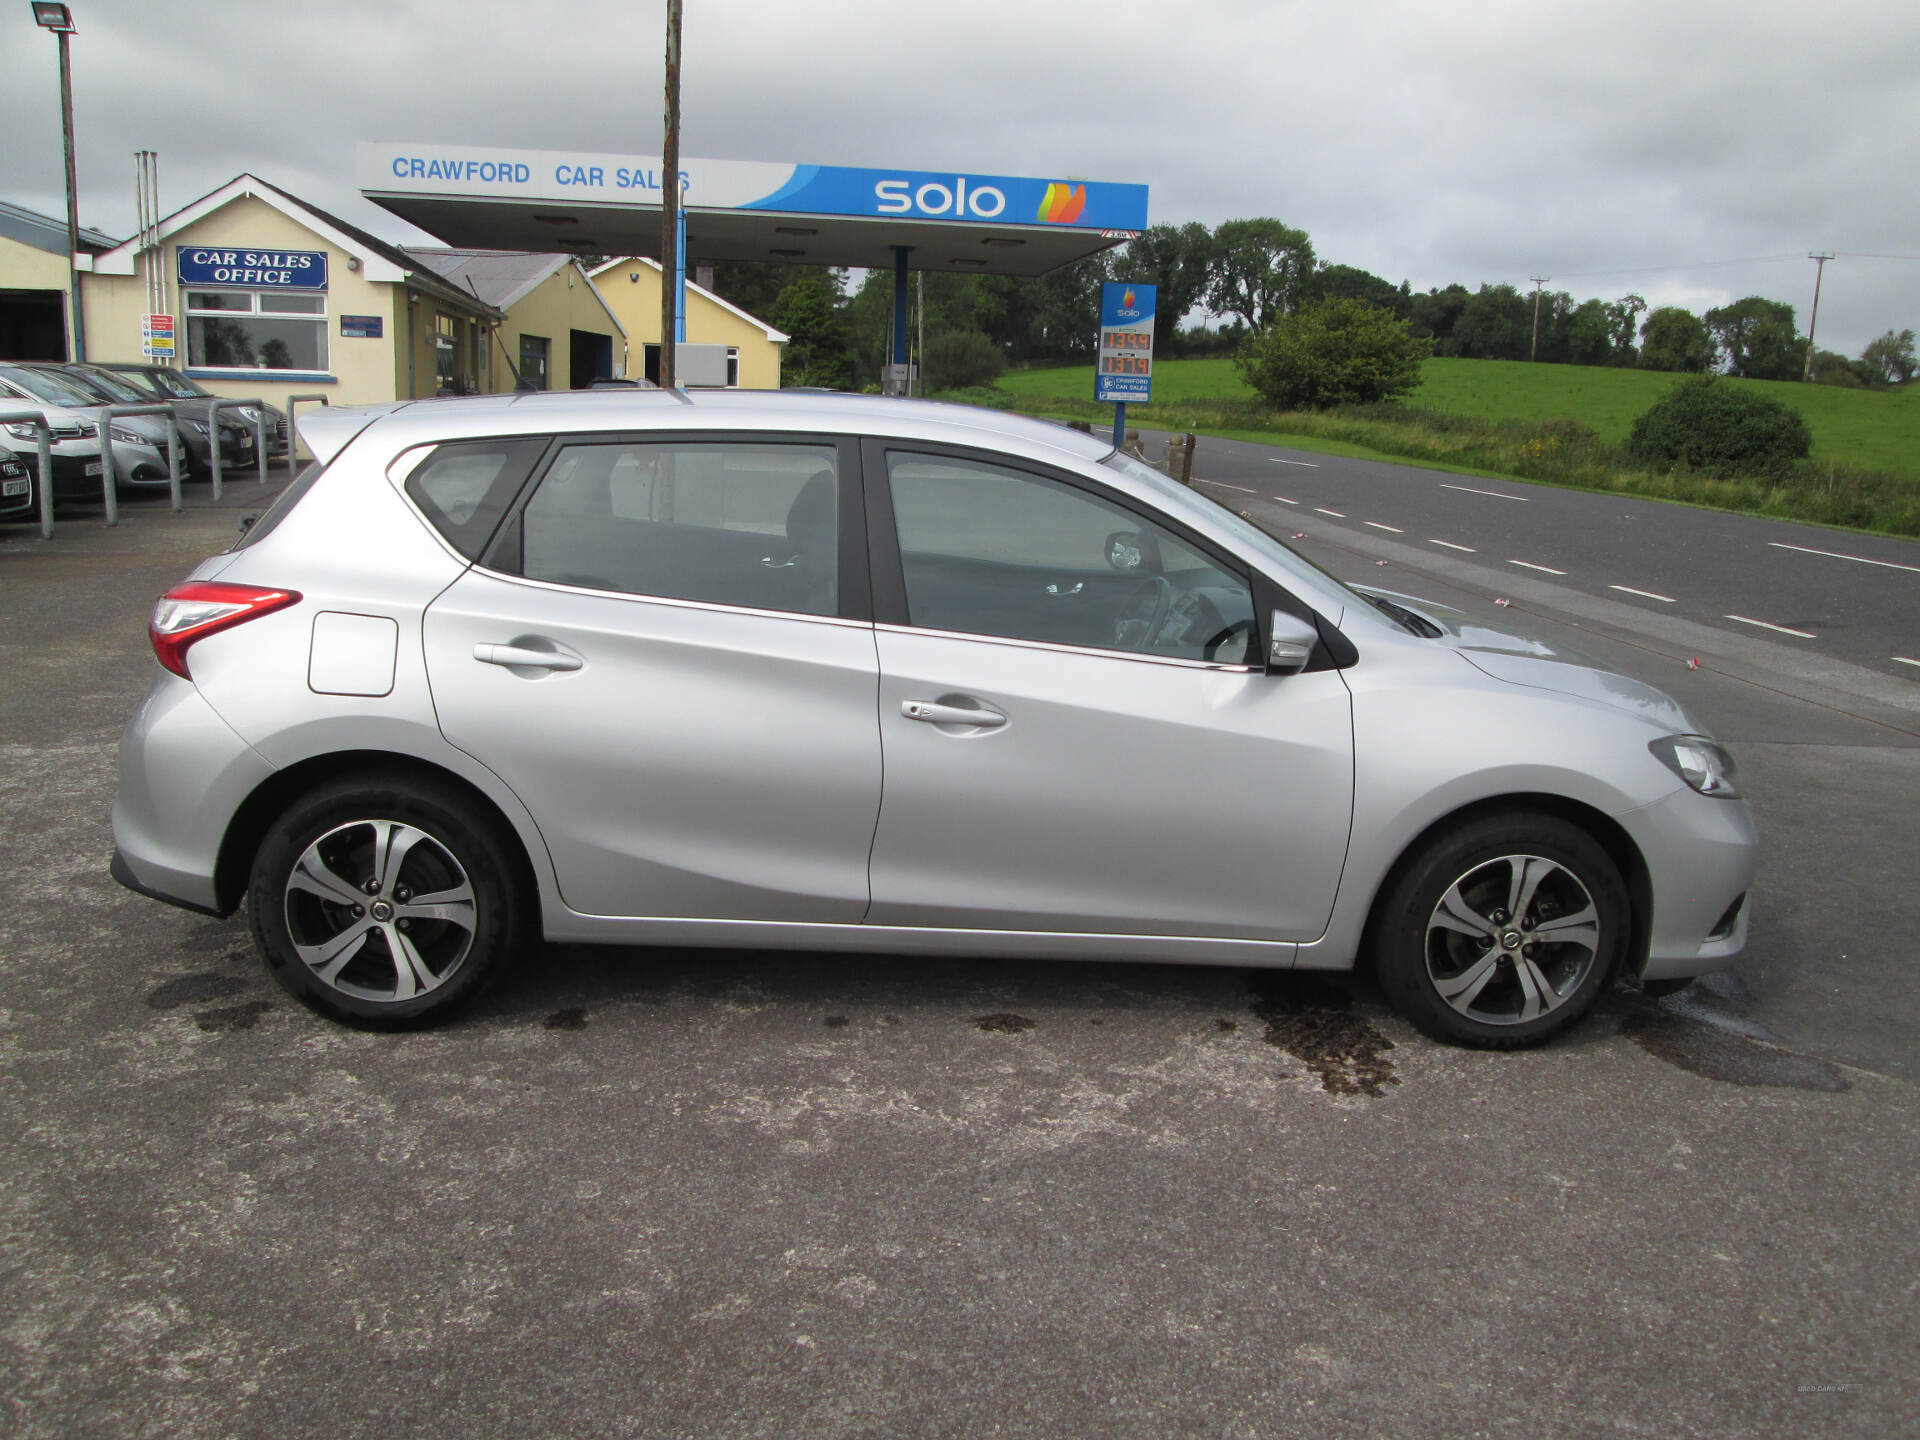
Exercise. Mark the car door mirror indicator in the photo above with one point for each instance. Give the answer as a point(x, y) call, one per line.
point(1290, 642)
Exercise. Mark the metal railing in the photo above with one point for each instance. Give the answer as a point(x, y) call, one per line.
point(43, 478)
point(110, 470)
point(259, 436)
point(293, 435)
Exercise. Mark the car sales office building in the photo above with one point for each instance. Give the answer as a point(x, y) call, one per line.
point(274, 297)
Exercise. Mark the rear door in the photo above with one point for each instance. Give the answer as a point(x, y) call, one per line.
point(667, 653)
point(1077, 733)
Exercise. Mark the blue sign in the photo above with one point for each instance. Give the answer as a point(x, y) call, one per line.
point(255, 269)
point(360, 327)
point(943, 195)
point(1124, 371)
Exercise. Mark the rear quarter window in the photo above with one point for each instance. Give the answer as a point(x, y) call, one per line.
point(464, 488)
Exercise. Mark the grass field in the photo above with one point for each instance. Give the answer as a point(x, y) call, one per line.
point(1877, 430)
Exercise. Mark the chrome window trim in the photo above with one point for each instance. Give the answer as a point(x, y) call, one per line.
point(1059, 649)
point(630, 595)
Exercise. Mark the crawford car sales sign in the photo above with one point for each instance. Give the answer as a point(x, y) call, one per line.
point(255, 269)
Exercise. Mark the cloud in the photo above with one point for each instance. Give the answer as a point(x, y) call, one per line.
point(1431, 142)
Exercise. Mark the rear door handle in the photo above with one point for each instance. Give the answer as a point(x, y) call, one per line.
point(515, 655)
point(934, 713)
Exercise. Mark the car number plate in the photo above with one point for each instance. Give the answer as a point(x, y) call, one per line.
point(93, 467)
point(14, 487)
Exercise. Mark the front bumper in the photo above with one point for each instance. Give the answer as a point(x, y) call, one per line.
point(1700, 854)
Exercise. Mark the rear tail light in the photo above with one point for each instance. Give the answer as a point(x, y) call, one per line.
point(191, 612)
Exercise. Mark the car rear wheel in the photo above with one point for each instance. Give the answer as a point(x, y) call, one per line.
point(1502, 932)
point(385, 903)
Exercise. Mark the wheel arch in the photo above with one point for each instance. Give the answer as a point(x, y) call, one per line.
point(281, 789)
point(1605, 831)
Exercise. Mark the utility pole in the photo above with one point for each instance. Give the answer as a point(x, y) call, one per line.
point(670, 259)
point(1538, 281)
point(1814, 319)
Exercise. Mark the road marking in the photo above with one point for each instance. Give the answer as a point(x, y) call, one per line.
point(1303, 464)
point(1467, 549)
point(1334, 513)
point(1222, 485)
point(1390, 529)
point(1494, 493)
point(1782, 629)
point(1836, 555)
point(1643, 594)
point(1529, 565)
point(1284, 501)
point(1905, 661)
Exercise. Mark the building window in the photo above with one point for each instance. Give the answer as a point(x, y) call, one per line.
point(533, 361)
point(446, 352)
point(733, 367)
point(256, 330)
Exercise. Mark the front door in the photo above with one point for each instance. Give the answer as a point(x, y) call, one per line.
point(1076, 732)
point(654, 657)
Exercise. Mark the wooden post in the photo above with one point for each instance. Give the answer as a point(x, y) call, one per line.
point(670, 198)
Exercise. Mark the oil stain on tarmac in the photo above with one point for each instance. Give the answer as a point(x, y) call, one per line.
point(1316, 1024)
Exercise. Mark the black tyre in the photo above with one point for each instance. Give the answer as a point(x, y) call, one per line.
point(385, 903)
point(1503, 932)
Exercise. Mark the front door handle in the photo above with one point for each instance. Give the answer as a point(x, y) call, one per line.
point(516, 655)
point(935, 713)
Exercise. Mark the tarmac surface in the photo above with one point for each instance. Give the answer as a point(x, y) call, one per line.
point(693, 1193)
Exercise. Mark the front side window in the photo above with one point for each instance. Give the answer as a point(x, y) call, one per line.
point(992, 551)
point(729, 524)
point(256, 330)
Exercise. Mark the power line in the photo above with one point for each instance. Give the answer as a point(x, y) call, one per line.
point(1693, 265)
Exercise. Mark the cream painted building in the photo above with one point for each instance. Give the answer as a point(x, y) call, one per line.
point(34, 281)
point(631, 286)
point(558, 334)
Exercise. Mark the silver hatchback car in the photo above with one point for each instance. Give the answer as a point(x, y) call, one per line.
point(856, 674)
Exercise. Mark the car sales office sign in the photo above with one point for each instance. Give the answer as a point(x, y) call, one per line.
point(1124, 373)
point(254, 269)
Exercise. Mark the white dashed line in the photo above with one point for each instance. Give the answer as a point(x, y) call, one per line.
point(1284, 501)
point(1303, 464)
point(1465, 549)
point(1543, 569)
point(1764, 625)
point(1494, 493)
point(1390, 529)
point(1222, 485)
point(1836, 555)
point(1643, 594)
point(1334, 513)
point(1903, 660)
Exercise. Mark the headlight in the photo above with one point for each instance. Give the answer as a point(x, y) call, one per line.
point(248, 413)
point(1705, 766)
point(24, 432)
point(122, 436)
point(197, 426)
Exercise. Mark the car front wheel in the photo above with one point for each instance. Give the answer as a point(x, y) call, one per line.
point(1502, 932)
point(385, 903)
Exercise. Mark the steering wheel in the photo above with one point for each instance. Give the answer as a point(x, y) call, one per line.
point(1147, 608)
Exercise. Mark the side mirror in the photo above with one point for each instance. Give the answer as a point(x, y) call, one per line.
point(1290, 642)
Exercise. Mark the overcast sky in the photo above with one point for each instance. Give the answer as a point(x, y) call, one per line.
point(1692, 152)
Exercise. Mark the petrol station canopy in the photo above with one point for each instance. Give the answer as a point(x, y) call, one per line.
point(547, 200)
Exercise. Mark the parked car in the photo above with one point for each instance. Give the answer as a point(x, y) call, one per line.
point(162, 383)
point(633, 667)
point(194, 418)
point(75, 435)
point(18, 499)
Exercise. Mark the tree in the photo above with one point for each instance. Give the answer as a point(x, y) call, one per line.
point(1706, 424)
point(1338, 352)
point(753, 285)
point(1759, 339)
point(1178, 261)
point(1496, 323)
point(1830, 368)
point(1623, 315)
point(1674, 339)
point(1435, 313)
point(1890, 359)
point(1260, 270)
point(817, 353)
point(1346, 282)
point(1590, 334)
point(959, 359)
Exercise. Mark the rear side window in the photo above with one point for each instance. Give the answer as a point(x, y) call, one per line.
point(754, 525)
point(464, 488)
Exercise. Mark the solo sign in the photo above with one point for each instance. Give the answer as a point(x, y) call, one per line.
point(1124, 370)
point(255, 269)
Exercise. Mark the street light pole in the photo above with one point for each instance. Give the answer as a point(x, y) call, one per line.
point(59, 19)
point(670, 258)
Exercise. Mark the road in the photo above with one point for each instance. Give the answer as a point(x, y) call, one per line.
point(1832, 593)
point(675, 1193)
